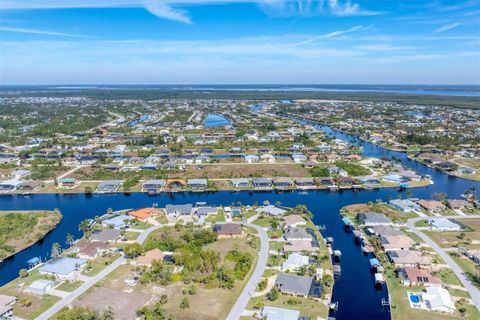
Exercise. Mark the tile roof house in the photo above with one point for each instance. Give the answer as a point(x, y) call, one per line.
point(399, 242)
point(293, 220)
point(409, 258)
point(415, 276)
point(431, 205)
point(294, 285)
point(458, 204)
point(141, 214)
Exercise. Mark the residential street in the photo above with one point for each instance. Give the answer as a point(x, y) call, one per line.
point(474, 292)
point(256, 277)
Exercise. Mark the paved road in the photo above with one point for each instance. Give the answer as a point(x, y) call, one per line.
point(256, 277)
point(92, 280)
point(474, 292)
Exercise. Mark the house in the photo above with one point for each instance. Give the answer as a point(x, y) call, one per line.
point(105, 235)
point(41, 287)
point(67, 182)
point(299, 158)
point(326, 181)
point(270, 210)
point(10, 185)
point(383, 231)
point(149, 166)
point(466, 170)
point(458, 204)
point(206, 210)
point(240, 183)
point(88, 250)
point(282, 182)
point(108, 186)
point(20, 173)
point(229, 230)
point(415, 277)
point(294, 285)
point(409, 259)
point(297, 234)
point(404, 205)
point(298, 146)
point(154, 185)
point(262, 183)
point(438, 299)
point(251, 158)
point(141, 214)
point(337, 171)
point(443, 224)
point(6, 306)
point(369, 219)
point(274, 313)
point(63, 267)
point(397, 242)
point(149, 257)
point(295, 261)
point(474, 255)
point(197, 184)
point(346, 181)
point(305, 183)
point(310, 164)
point(394, 178)
point(179, 209)
point(168, 166)
point(118, 222)
point(292, 221)
point(447, 165)
point(431, 205)
point(368, 180)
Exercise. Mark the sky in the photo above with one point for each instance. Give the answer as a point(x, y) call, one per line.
point(239, 42)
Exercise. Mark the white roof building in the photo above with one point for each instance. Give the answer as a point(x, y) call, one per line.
point(273, 313)
point(295, 261)
point(438, 299)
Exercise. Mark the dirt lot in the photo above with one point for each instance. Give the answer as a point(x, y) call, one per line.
point(219, 171)
point(449, 238)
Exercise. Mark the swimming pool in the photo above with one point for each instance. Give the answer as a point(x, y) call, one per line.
point(414, 298)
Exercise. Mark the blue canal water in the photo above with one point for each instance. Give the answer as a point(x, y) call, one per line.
point(355, 292)
point(215, 120)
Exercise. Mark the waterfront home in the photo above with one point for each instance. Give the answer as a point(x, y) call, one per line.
point(337, 171)
point(295, 261)
point(149, 257)
point(40, 287)
point(67, 182)
point(409, 259)
point(168, 166)
point(117, 222)
point(154, 185)
point(394, 178)
point(88, 250)
point(251, 158)
point(270, 210)
point(305, 183)
point(63, 267)
point(458, 204)
point(404, 205)
point(282, 182)
point(466, 170)
point(141, 214)
point(345, 181)
point(294, 285)
point(228, 230)
point(206, 210)
point(108, 186)
point(179, 209)
point(10, 185)
point(262, 183)
point(105, 235)
point(397, 242)
point(443, 224)
point(292, 221)
point(267, 157)
point(310, 164)
point(369, 219)
point(326, 181)
point(197, 184)
point(299, 158)
point(409, 175)
point(447, 166)
point(433, 206)
point(6, 306)
point(368, 180)
point(438, 299)
point(297, 234)
point(415, 277)
point(383, 231)
point(274, 313)
point(240, 182)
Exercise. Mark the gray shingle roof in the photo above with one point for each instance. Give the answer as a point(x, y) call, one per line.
point(294, 284)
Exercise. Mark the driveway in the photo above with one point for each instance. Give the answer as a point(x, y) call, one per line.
point(256, 277)
point(472, 290)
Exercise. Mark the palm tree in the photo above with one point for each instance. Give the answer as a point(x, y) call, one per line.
point(69, 239)
point(84, 226)
point(56, 249)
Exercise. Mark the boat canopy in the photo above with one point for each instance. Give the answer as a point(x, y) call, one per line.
point(374, 262)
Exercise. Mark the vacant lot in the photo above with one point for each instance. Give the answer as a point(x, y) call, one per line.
point(219, 171)
point(390, 212)
point(451, 238)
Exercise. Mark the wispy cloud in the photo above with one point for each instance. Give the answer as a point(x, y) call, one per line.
point(447, 27)
point(333, 34)
point(43, 32)
point(349, 8)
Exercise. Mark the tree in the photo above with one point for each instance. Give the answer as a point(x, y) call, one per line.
point(185, 303)
point(133, 250)
point(25, 302)
point(109, 210)
point(88, 190)
point(23, 273)
point(192, 290)
point(163, 299)
point(69, 239)
point(439, 196)
point(84, 226)
point(273, 294)
point(56, 250)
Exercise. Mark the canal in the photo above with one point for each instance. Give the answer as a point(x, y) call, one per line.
point(355, 292)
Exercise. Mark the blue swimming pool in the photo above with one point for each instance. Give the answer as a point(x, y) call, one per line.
point(414, 298)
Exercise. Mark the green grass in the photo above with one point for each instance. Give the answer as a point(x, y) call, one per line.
point(69, 286)
point(353, 169)
point(137, 224)
point(263, 221)
point(131, 235)
point(447, 276)
point(97, 265)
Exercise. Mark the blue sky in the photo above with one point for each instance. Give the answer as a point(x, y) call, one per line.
point(239, 42)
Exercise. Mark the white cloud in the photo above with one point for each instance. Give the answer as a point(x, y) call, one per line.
point(447, 27)
point(44, 32)
point(333, 34)
point(163, 10)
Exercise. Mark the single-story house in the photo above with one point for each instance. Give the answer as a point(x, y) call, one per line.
point(206, 210)
point(467, 170)
point(270, 210)
point(297, 234)
point(305, 182)
point(438, 299)
point(404, 205)
point(409, 258)
point(105, 235)
point(90, 250)
point(299, 246)
point(326, 181)
point(67, 182)
point(197, 184)
point(274, 313)
point(383, 231)
point(294, 285)
point(262, 183)
point(283, 182)
point(117, 222)
point(10, 185)
point(393, 243)
point(394, 178)
point(63, 267)
point(295, 261)
point(154, 184)
point(443, 224)
point(229, 230)
point(368, 180)
point(240, 182)
point(179, 209)
point(373, 219)
point(299, 158)
point(431, 205)
point(108, 186)
point(6, 306)
point(148, 257)
point(250, 158)
point(41, 286)
point(141, 214)
point(458, 204)
point(415, 276)
point(338, 171)
point(293, 220)
point(149, 166)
